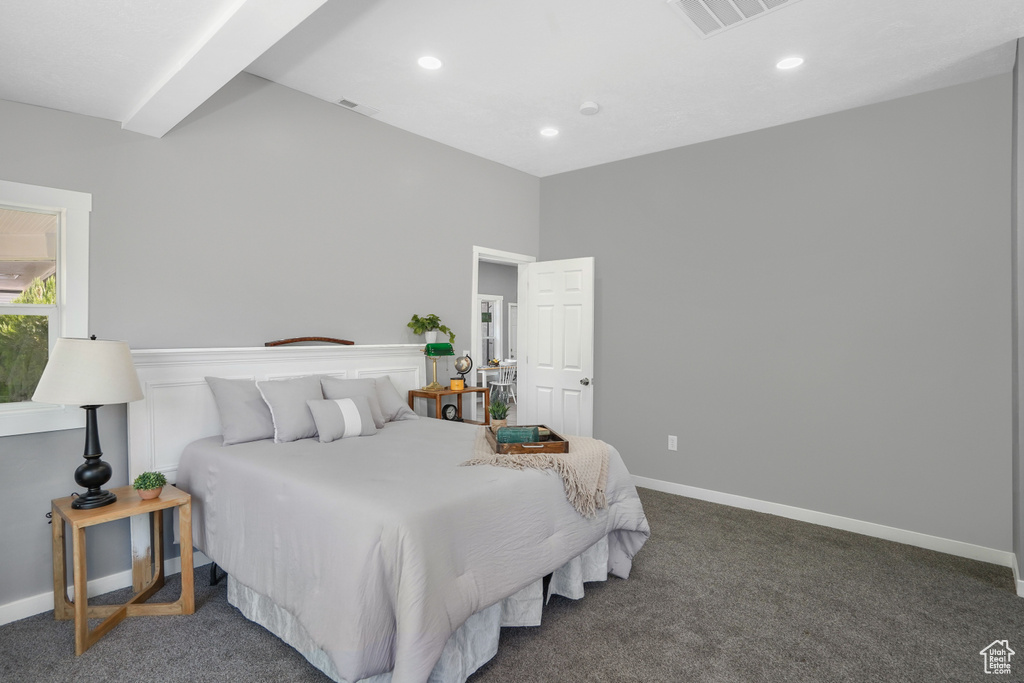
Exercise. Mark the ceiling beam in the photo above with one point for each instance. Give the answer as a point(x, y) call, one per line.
point(247, 30)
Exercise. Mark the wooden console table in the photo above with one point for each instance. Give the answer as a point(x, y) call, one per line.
point(127, 504)
point(438, 395)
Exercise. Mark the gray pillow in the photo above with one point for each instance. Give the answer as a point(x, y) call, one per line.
point(342, 418)
point(392, 405)
point(287, 400)
point(335, 387)
point(244, 415)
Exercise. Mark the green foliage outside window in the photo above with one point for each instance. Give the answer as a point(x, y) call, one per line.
point(24, 343)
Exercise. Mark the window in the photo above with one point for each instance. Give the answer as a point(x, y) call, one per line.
point(44, 280)
point(28, 299)
point(490, 328)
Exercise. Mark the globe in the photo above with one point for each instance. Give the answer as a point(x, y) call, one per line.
point(463, 364)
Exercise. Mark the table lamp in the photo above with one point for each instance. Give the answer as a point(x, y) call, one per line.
point(90, 373)
point(434, 351)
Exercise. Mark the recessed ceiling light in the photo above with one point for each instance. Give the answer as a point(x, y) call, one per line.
point(549, 132)
point(790, 63)
point(429, 62)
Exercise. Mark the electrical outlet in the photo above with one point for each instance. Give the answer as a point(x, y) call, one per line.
point(673, 444)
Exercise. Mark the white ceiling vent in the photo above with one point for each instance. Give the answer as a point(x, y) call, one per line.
point(358, 108)
point(710, 17)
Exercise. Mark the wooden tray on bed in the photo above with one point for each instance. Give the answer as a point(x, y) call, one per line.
point(555, 443)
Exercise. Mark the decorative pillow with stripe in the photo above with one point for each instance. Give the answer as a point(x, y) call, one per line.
point(335, 387)
point(342, 418)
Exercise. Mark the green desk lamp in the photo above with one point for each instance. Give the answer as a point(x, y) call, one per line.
point(435, 351)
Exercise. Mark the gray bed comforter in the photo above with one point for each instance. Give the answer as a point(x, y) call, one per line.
point(382, 546)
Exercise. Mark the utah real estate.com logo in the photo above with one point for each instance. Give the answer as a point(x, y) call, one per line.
point(997, 656)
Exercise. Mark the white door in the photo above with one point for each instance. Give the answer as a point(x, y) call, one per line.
point(556, 357)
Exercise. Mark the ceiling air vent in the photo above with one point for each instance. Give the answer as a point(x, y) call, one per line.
point(358, 108)
point(710, 17)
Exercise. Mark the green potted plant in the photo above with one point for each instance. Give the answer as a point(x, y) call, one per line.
point(430, 323)
point(499, 412)
point(149, 484)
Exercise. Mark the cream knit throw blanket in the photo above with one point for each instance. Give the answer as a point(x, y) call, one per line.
point(584, 469)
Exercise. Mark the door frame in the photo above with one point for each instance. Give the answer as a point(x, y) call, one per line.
point(488, 255)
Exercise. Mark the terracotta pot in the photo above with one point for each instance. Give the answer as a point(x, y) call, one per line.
point(148, 494)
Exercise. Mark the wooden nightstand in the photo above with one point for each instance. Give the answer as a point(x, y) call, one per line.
point(438, 395)
point(128, 504)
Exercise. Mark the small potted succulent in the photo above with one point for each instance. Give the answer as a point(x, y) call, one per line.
point(499, 411)
point(430, 325)
point(149, 484)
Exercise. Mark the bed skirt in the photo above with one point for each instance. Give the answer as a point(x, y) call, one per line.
point(473, 644)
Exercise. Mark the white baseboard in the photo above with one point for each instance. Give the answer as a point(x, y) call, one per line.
point(943, 545)
point(1017, 578)
point(37, 604)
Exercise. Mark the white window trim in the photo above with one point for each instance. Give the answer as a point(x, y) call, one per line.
point(73, 209)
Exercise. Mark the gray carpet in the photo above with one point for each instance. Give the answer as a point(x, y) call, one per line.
point(717, 595)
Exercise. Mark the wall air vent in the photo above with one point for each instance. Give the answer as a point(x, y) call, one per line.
point(711, 17)
point(358, 108)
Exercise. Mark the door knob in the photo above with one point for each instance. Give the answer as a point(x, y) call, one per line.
point(585, 381)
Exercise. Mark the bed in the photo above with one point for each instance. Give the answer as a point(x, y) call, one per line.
point(378, 558)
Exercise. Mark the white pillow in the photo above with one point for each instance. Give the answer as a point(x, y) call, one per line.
point(287, 400)
point(392, 405)
point(244, 415)
point(342, 418)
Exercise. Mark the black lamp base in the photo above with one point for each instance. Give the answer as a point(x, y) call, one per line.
point(93, 499)
point(93, 473)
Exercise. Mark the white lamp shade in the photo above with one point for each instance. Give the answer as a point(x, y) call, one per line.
point(88, 372)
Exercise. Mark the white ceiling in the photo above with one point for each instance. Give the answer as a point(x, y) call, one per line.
point(510, 68)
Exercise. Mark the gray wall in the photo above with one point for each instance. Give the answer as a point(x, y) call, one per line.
point(266, 214)
point(820, 311)
point(500, 280)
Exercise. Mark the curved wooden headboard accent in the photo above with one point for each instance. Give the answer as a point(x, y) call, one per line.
point(299, 340)
point(178, 406)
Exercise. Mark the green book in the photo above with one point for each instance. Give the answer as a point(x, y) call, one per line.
point(518, 435)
